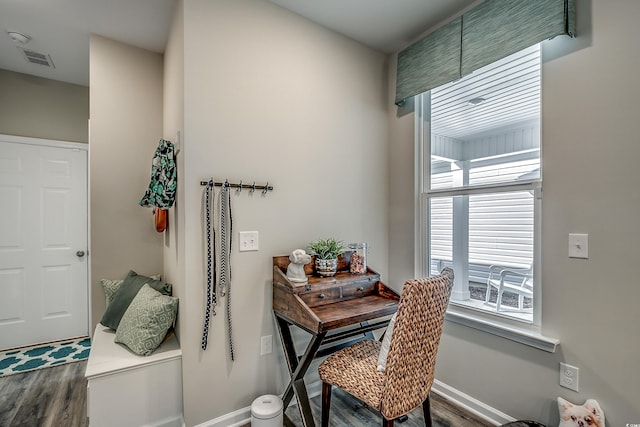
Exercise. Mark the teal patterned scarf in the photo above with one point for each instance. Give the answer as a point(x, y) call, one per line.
point(162, 188)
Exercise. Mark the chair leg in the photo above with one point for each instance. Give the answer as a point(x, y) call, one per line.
point(386, 422)
point(426, 410)
point(326, 403)
point(499, 299)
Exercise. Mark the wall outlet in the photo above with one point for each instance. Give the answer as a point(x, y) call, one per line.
point(569, 376)
point(266, 345)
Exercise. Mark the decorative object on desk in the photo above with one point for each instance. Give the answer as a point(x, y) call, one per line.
point(326, 252)
point(587, 415)
point(358, 263)
point(295, 270)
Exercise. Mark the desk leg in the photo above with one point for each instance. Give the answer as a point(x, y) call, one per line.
point(287, 343)
point(368, 334)
point(297, 380)
point(297, 369)
point(303, 403)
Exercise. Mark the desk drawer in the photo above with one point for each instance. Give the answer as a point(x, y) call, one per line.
point(339, 293)
point(326, 296)
point(358, 290)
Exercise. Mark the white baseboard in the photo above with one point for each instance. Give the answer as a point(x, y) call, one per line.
point(169, 422)
point(468, 403)
point(233, 419)
point(471, 404)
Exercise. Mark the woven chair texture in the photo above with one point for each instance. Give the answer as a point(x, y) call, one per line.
point(409, 373)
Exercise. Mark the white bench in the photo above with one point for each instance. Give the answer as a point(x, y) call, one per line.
point(125, 389)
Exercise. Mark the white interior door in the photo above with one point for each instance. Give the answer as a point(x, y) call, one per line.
point(43, 242)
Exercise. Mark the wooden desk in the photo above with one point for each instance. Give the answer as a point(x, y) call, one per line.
point(322, 306)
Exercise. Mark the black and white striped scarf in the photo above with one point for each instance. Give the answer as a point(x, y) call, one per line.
point(226, 232)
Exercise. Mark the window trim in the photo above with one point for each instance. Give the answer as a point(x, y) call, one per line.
point(498, 326)
point(512, 329)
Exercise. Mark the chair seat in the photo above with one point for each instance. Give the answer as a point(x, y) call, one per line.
point(353, 369)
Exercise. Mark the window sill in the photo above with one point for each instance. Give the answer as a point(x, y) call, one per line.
point(510, 332)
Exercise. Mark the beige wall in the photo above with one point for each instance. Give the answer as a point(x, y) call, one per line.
point(590, 129)
point(126, 125)
point(42, 108)
point(173, 126)
point(272, 97)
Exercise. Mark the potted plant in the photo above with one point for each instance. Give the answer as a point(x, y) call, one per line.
point(326, 252)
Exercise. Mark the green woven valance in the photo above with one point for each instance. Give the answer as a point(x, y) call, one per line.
point(417, 70)
point(492, 30)
point(498, 28)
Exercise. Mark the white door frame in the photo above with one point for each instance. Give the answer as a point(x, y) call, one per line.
point(72, 146)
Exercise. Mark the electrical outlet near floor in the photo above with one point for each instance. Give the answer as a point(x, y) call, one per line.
point(569, 376)
point(266, 345)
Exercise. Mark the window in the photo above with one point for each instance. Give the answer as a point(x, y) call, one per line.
point(481, 186)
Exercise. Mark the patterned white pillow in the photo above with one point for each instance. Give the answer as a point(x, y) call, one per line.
point(147, 320)
point(110, 287)
point(386, 343)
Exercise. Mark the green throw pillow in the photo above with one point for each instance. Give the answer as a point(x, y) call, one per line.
point(111, 286)
point(146, 321)
point(126, 293)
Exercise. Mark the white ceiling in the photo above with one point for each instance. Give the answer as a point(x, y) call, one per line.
point(61, 28)
point(507, 93)
point(385, 25)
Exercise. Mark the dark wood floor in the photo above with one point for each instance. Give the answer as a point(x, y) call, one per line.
point(50, 397)
point(348, 411)
point(57, 396)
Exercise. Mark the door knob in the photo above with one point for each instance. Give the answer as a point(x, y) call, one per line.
point(80, 254)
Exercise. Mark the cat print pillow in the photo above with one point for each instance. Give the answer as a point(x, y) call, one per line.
point(587, 415)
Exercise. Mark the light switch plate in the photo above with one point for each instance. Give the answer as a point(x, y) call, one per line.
point(578, 246)
point(248, 241)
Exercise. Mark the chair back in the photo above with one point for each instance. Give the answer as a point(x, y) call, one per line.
point(414, 343)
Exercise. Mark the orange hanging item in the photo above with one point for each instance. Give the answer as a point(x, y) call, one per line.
point(161, 217)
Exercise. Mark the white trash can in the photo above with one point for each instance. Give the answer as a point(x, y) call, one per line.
point(266, 411)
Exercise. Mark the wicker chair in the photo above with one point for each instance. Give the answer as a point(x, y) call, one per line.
point(409, 373)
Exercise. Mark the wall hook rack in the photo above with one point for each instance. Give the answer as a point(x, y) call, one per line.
point(239, 186)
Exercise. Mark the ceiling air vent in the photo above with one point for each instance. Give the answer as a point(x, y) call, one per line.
point(38, 58)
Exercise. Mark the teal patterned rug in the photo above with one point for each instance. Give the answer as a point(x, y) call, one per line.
point(40, 356)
